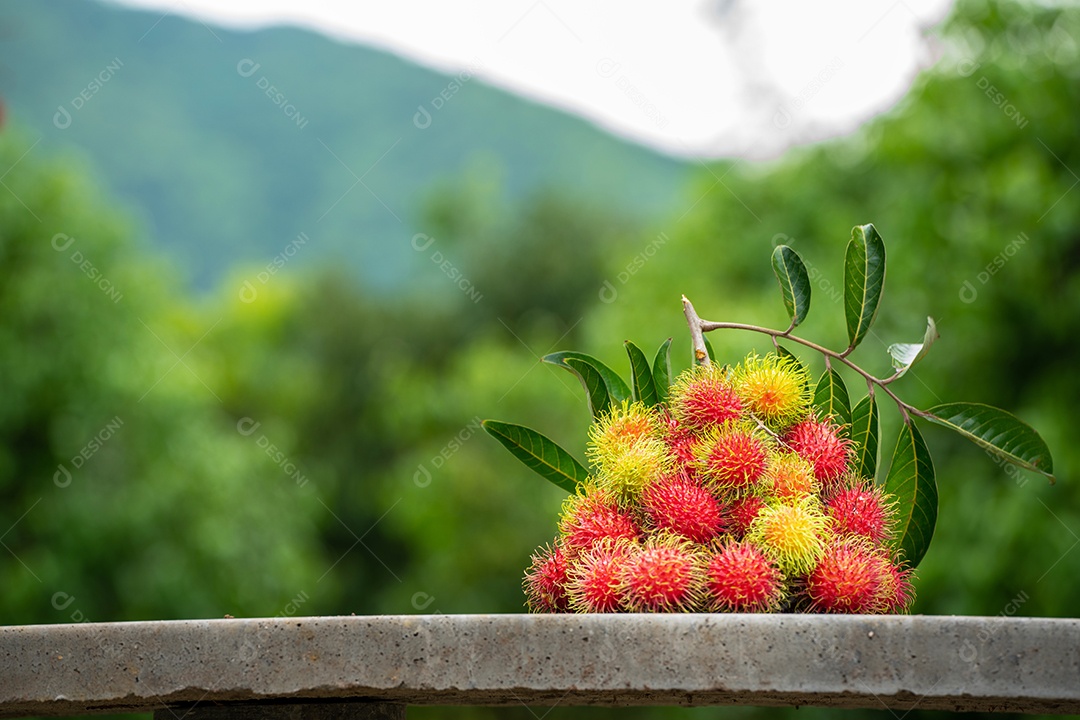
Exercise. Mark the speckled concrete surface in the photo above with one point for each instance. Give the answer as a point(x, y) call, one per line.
point(953, 663)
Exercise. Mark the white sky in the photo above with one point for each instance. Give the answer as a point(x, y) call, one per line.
point(702, 78)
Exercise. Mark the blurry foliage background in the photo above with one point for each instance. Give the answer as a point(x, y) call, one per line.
point(317, 450)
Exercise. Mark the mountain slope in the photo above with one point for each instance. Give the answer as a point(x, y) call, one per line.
point(231, 144)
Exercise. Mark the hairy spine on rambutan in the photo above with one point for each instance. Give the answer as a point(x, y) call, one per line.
point(822, 444)
point(733, 456)
point(897, 592)
point(595, 582)
point(591, 515)
point(739, 578)
point(683, 506)
point(622, 425)
point(851, 577)
point(545, 580)
point(742, 512)
point(790, 476)
point(862, 508)
point(680, 442)
point(703, 397)
point(775, 388)
point(626, 474)
point(665, 574)
point(793, 533)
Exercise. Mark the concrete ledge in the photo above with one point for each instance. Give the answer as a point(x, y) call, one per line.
point(900, 662)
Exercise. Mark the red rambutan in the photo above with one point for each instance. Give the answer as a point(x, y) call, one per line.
point(592, 515)
point(851, 577)
point(595, 577)
point(862, 509)
point(684, 507)
point(733, 456)
point(545, 581)
point(897, 592)
point(821, 443)
point(739, 578)
point(704, 397)
point(663, 575)
point(789, 476)
point(742, 512)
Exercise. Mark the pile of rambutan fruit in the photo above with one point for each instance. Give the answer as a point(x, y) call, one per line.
point(749, 487)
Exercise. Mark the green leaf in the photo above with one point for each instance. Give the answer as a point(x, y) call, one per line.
point(539, 454)
point(864, 434)
point(831, 397)
point(644, 388)
point(618, 389)
point(864, 277)
point(794, 282)
point(785, 353)
point(662, 370)
point(709, 350)
point(904, 355)
point(1000, 433)
point(911, 482)
point(595, 388)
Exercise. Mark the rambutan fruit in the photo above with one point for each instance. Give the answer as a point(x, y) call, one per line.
point(665, 574)
point(861, 508)
point(741, 514)
point(545, 581)
point(789, 476)
point(680, 442)
point(623, 425)
point(595, 577)
point(684, 507)
point(592, 515)
point(792, 533)
point(851, 577)
point(703, 397)
point(821, 443)
point(733, 455)
point(775, 388)
point(897, 592)
point(739, 578)
point(625, 473)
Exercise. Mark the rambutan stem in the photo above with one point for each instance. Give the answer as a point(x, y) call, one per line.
point(699, 327)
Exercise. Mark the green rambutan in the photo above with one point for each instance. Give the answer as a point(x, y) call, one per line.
point(595, 577)
point(592, 515)
point(703, 397)
point(626, 473)
point(862, 508)
point(545, 581)
point(739, 578)
point(775, 388)
point(684, 507)
point(733, 456)
point(822, 444)
point(622, 426)
point(793, 533)
point(789, 476)
point(665, 574)
point(851, 577)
